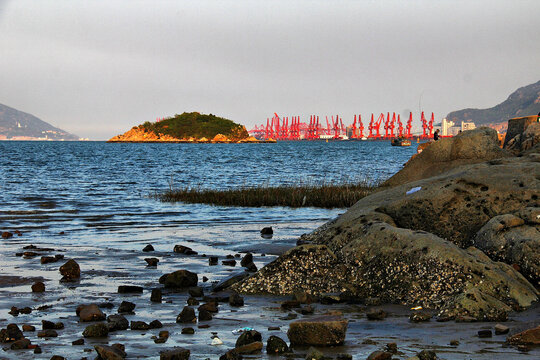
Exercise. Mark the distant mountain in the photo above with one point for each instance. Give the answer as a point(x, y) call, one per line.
point(18, 125)
point(522, 102)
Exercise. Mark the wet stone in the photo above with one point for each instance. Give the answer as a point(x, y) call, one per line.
point(267, 231)
point(38, 287)
point(454, 342)
point(156, 295)
point(307, 310)
point(186, 316)
point(276, 345)
point(205, 315)
point(10, 333)
point(49, 333)
point(96, 331)
point(58, 357)
point(380, 355)
point(236, 300)
point(209, 306)
point(70, 270)
point(148, 248)
point(420, 316)
point(139, 325)
point(175, 354)
point(28, 328)
point(344, 357)
point(318, 331)
point(155, 324)
point(248, 337)
point(37, 350)
point(196, 291)
point(391, 347)
point(229, 262)
point(151, 261)
point(485, 333)
point(110, 352)
point(179, 279)
point(252, 348)
point(126, 307)
point(48, 259)
point(376, 314)
point(251, 267)
point(192, 301)
point(20, 344)
point(126, 289)
point(247, 259)
point(188, 331)
point(89, 312)
point(212, 260)
point(181, 249)
point(501, 329)
point(117, 322)
point(78, 342)
point(427, 355)
point(6, 235)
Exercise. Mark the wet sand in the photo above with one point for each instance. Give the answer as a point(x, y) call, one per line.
point(111, 264)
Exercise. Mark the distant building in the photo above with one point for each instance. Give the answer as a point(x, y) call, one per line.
point(467, 125)
point(449, 128)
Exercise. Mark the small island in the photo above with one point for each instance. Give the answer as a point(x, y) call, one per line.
point(191, 127)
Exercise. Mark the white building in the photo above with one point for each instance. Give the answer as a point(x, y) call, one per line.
point(449, 128)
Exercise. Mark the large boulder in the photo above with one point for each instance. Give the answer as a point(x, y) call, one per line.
point(508, 238)
point(70, 270)
point(318, 331)
point(89, 313)
point(468, 147)
point(516, 127)
point(527, 337)
point(179, 279)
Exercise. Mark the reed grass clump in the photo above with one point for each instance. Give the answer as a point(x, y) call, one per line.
point(322, 195)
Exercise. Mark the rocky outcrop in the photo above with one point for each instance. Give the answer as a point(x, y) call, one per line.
point(411, 244)
point(321, 331)
point(516, 127)
point(469, 147)
point(523, 134)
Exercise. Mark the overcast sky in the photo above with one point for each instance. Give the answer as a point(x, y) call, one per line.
point(97, 68)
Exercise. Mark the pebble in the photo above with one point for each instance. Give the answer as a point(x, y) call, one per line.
point(38, 287)
point(188, 331)
point(501, 329)
point(151, 261)
point(148, 248)
point(485, 333)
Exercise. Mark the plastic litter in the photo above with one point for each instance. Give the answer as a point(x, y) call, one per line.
point(216, 341)
point(241, 330)
point(416, 308)
point(413, 190)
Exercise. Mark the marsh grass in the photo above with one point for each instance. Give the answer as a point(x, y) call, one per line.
point(322, 195)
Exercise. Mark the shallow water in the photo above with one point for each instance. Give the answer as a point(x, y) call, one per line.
point(98, 195)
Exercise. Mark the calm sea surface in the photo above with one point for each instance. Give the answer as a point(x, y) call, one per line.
point(94, 189)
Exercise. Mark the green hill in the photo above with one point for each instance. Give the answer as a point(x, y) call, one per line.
point(198, 126)
point(524, 101)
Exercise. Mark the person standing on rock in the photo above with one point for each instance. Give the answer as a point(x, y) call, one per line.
point(436, 135)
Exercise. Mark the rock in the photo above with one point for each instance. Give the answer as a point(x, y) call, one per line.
point(181, 249)
point(96, 331)
point(229, 262)
point(192, 301)
point(420, 316)
point(11, 333)
point(307, 310)
point(175, 354)
point(188, 331)
point(126, 307)
point(148, 248)
point(89, 313)
point(156, 295)
point(57, 357)
point(343, 356)
point(127, 289)
point(155, 324)
point(70, 271)
point(267, 231)
point(304, 298)
point(236, 300)
point(186, 316)
point(454, 342)
point(20, 344)
point(179, 279)
point(248, 337)
point(45, 325)
point(210, 306)
point(380, 355)
point(106, 305)
point(474, 305)
point(314, 354)
point(527, 337)
point(500, 329)
point(28, 328)
point(37, 350)
point(139, 325)
point(485, 333)
point(48, 259)
point(110, 352)
point(247, 259)
point(196, 291)
point(276, 345)
point(212, 260)
point(251, 348)
point(322, 331)
point(507, 238)
point(49, 333)
point(427, 355)
point(231, 355)
point(391, 347)
point(251, 267)
point(117, 322)
point(77, 342)
point(376, 314)
point(228, 282)
point(289, 316)
point(38, 287)
point(523, 134)
point(6, 235)
point(204, 315)
point(151, 261)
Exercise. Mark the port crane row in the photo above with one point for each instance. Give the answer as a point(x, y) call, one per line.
point(281, 129)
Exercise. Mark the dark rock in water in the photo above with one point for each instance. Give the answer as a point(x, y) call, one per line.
point(10, 333)
point(179, 279)
point(251, 267)
point(276, 345)
point(77, 342)
point(307, 310)
point(70, 270)
point(229, 262)
point(46, 324)
point(192, 301)
point(38, 287)
point(126, 307)
point(37, 350)
point(188, 331)
point(485, 333)
point(248, 337)
point(228, 282)
point(148, 248)
point(175, 354)
point(321, 331)
point(328, 299)
point(212, 260)
point(151, 261)
point(186, 316)
point(48, 259)
point(304, 298)
point(454, 342)
point(106, 305)
point(289, 316)
point(427, 355)
point(90, 313)
point(181, 249)
point(57, 357)
point(7, 235)
point(49, 333)
point(500, 329)
point(209, 306)
point(380, 355)
point(196, 291)
point(155, 324)
point(110, 352)
point(96, 331)
point(156, 295)
point(117, 322)
point(29, 328)
point(420, 316)
point(14, 311)
point(267, 231)
point(230, 256)
point(205, 315)
point(376, 314)
point(139, 325)
point(314, 354)
point(231, 355)
point(343, 356)
point(247, 259)
point(391, 347)
point(218, 297)
point(127, 289)
point(252, 348)
point(527, 337)
point(236, 300)
point(20, 344)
